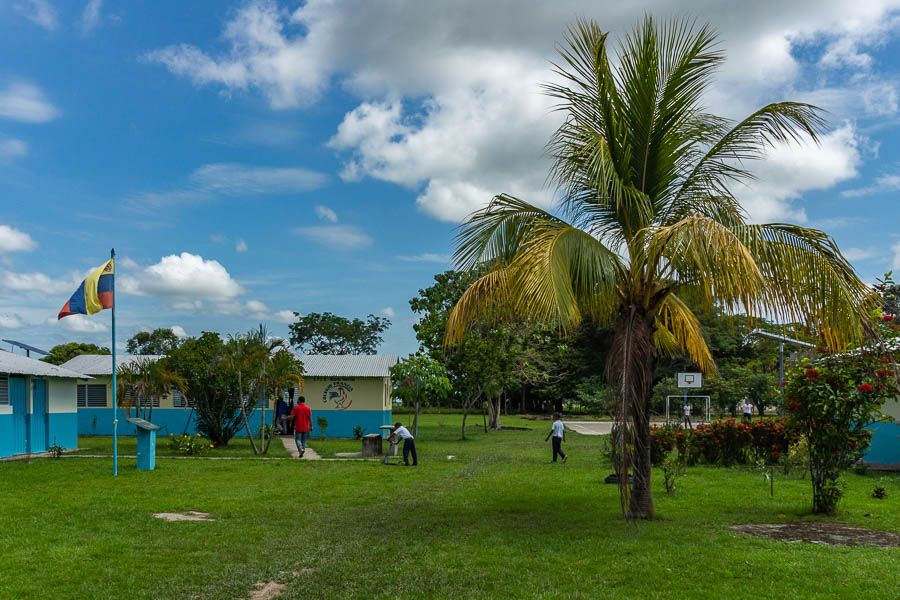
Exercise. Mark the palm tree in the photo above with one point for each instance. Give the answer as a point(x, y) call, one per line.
point(648, 218)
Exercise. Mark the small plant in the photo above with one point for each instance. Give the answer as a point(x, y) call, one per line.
point(358, 432)
point(767, 470)
point(190, 445)
point(673, 468)
point(323, 425)
point(56, 451)
point(270, 432)
point(880, 491)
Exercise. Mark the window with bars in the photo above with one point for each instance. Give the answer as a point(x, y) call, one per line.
point(92, 395)
point(179, 401)
point(4, 389)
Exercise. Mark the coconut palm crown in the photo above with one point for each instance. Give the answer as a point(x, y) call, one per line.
point(647, 218)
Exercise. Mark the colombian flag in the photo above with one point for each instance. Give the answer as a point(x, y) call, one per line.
point(94, 294)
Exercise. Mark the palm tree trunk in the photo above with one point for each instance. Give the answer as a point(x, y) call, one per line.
point(244, 414)
point(629, 368)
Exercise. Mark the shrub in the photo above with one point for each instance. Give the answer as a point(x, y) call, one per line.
point(190, 445)
point(323, 424)
point(56, 451)
point(832, 401)
point(725, 442)
point(358, 432)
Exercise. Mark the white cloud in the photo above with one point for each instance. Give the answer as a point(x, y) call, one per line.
point(22, 101)
point(190, 306)
point(285, 316)
point(789, 170)
point(12, 148)
point(40, 12)
point(388, 312)
point(859, 254)
point(11, 321)
point(34, 282)
point(220, 180)
point(241, 246)
point(80, 323)
point(449, 104)
point(326, 214)
point(337, 237)
point(179, 331)
point(13, 240)
point(882, 184)
point(895, 265)
point(256, 306)
point(186, 276)
point(127, 262)
point(430, 257)
point(90, 17)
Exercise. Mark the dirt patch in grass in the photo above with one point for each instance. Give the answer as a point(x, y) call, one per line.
point(822, 532)
point(266, 590)
point(187, 515)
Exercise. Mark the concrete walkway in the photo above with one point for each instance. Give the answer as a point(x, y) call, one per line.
point(600, 427)
point(291, 447)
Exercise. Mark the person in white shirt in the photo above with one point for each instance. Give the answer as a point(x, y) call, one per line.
point(558, 432)
point(687, 416)
point(409, 443)
point(747, 409)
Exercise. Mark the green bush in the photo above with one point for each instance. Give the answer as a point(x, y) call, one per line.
point(190, 445)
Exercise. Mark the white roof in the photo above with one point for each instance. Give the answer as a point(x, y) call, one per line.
point(348, 365)
point(16, 364)
point(101, 364)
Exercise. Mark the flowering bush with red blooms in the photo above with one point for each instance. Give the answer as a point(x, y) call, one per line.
point(724, 442)
point(833, 409)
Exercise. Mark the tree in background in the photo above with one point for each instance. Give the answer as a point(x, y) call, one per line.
point(419, 378)
point(210, 383)
point(157, 342)
point(62, 353)
point(645, 176)
point(141, 381)
point(326, 333)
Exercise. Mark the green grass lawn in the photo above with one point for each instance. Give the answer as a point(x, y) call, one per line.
point(498, 520)
point(127, 445)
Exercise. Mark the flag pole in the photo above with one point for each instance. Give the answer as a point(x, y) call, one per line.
point(112, 256)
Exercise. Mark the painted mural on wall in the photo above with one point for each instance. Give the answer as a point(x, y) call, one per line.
point(338, 394)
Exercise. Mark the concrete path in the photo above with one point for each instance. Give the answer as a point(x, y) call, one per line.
point(600, 427)
point(291, 447)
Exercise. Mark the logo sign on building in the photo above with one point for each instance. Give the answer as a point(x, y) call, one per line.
point(338, 394)
point(690, 380)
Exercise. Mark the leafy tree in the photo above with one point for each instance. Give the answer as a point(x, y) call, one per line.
point(139, 381)
point(327, 333)
point(648, 219)
point(159, 342)
point(62, 353)
point(210, 383)
point(419, 378)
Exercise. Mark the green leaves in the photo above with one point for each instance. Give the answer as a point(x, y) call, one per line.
point(326, 333)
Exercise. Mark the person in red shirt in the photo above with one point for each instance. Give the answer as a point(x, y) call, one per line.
point(301, 415)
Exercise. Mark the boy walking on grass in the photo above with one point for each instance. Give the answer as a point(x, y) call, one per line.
point(558, 433)
point(301, 415)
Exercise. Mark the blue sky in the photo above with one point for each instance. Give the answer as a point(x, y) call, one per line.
point(250, 159)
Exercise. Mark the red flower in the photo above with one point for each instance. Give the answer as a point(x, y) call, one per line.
point(853, 444)
point(812, 373)
point(794, 406)
point(894, 327)
point(822, 348)
point(865, 387)
point(776, 454)
point(887, 318)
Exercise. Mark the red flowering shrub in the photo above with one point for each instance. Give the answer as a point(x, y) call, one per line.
point(724, 442)
point(833, 410)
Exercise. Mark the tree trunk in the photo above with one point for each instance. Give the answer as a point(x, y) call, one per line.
point(629, 368)
point(416, 421)
point(244, 414)
point(465, 414)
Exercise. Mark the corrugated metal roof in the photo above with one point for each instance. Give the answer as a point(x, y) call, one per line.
point(101, 364)
point(348, 365)
point(16, 364)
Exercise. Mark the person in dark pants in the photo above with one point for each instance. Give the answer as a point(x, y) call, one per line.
point(409, 443)
point(558, 433)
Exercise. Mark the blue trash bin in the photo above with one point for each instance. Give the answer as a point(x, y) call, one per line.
point(146, 444)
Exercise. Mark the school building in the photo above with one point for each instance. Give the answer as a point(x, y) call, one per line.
point(37, 405)
point(884, 453)
point(348, 390)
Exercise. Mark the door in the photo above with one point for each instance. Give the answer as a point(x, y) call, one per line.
point(19, 401)
point(39, 418)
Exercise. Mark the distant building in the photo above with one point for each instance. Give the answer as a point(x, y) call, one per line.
point(37, 405)
point(348, 390)
point(884, 453)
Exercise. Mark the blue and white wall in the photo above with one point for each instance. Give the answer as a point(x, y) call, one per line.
point(38, 412)
point(345, 402)
point(885, 448)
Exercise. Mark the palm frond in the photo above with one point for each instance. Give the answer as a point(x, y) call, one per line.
point(683, 329)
